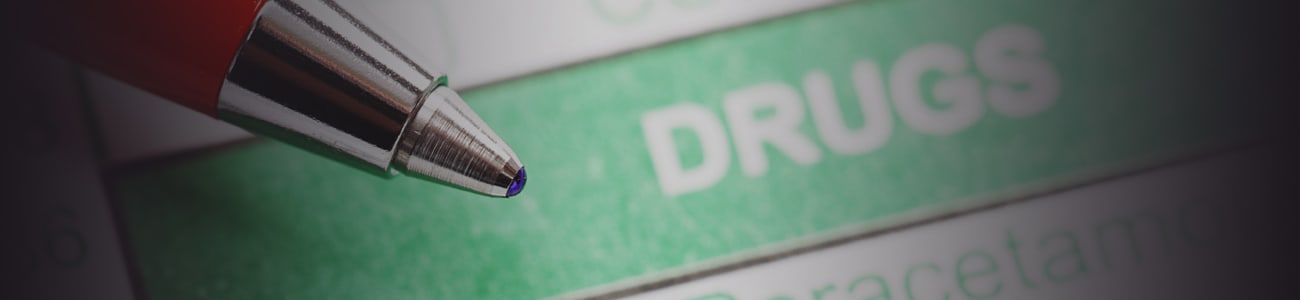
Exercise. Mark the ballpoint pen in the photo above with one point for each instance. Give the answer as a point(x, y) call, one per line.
point(311, 73)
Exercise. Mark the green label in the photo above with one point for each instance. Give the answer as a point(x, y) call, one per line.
point(713, 146)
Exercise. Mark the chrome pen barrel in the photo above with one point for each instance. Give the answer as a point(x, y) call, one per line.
point(315, 75)
point(452, 145)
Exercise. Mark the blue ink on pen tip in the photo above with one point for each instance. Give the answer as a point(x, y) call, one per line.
point(517, 185)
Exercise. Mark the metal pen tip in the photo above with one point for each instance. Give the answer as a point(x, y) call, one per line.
point(446, 141)
point(517, 185)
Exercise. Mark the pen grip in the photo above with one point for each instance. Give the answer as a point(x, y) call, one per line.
point(179, 50)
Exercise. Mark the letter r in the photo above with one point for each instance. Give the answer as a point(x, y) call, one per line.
point(781, 130)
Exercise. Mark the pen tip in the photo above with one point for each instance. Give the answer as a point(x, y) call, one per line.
point(517, 185)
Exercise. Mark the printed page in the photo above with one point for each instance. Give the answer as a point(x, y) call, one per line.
point(857, 118)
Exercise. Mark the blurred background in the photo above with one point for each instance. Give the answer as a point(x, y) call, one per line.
point(704, 149)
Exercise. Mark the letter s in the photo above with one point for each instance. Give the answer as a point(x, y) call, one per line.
point(1012, 55)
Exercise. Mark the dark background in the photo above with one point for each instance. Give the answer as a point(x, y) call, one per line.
point(1251, 57)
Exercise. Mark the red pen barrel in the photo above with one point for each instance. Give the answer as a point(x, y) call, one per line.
point(179, 50)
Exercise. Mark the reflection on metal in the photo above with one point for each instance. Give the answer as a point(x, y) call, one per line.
point(314, 75)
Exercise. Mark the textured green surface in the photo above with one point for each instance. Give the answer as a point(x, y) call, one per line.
point(266, 221)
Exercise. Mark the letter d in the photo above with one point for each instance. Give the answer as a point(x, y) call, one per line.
point(658, 126)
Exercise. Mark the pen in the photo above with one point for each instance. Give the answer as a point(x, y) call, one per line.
point(311, 73)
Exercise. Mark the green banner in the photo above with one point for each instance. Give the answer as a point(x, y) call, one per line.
point(708, 147)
